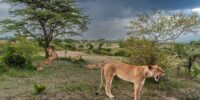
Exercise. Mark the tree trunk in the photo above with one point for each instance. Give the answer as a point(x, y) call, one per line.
point(46, 37)
point(45, 48)
point(65, 54)
point(189, 64)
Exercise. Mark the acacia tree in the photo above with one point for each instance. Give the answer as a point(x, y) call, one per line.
point(163, 26)
point(158, 26)
point(45, 19)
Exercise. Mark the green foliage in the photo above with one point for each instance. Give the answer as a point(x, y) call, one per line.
point(102, 51)
point(143, 52)
point(70, 47)
point(120, 53)
point(15, 60)
point(2, 69)
point(179, 49)
point(196, 71)
point(69, 40)
point(69, 44)
point(100, 45)
point(44, 20)
point(90, 46)
point(81, 46)
point(121, 44)
point(26, 48)
point(96, 51)
point(20, 53)
point(106, 49)
point(57, 42)
point(39, 88)
point(162, 26)
point(193, 49)
point(191, 53)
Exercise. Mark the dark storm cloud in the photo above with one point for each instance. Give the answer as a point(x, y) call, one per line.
point(110, 17)
point(116, 8)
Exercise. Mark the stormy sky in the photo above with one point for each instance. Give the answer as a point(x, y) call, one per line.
point(108, 18)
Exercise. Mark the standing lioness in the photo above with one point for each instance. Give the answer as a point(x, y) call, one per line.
point(131, 73)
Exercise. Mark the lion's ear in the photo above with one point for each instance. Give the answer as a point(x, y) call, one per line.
point(150, 67)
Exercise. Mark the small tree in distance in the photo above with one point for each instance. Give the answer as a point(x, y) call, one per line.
point(143, 51)
point(45, 19)
point(148, 29)
point(162, 26)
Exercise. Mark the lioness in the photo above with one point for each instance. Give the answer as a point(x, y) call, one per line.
point(52, 55)
point(95, 66)
point(92, 66)
point(131, 73)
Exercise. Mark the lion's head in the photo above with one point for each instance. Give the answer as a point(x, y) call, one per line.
point(50, 49)
point(156, 72)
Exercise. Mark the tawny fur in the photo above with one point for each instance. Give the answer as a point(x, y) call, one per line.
point(92, 66)
point(95, 66)
point(130, 73)
point(52, 55)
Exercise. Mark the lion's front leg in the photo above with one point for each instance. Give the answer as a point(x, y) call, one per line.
point(47, 61)
point(137, 90)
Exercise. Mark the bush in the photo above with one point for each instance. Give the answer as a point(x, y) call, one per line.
point(39, 88)
point(120, 53)
point(179, 50)
point(100, 45)
point(57, 42)
point(81, 46)
point(70, 47)
point(101, 51)
point(106, 49)
point(26, 48)
point(2, 69)
point(96, 51)
point(20, 54)
point(195, 71)
point(12, 58)
point(144, 52)
point(90, 46)
point(15, 60)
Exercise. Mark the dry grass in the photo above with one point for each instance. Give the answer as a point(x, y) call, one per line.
point(68, 81)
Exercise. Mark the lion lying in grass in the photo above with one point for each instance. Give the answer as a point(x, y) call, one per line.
point(130, 73)
point(95, 66)
point(52, 55)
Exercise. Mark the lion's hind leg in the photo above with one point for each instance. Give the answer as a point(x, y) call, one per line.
point(108, 78)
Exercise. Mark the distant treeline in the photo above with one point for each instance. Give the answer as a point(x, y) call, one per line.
point(7, 38)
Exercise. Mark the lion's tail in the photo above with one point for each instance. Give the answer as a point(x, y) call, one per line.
point(102, 71)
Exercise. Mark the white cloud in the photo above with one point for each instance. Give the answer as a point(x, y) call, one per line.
point(196, 10)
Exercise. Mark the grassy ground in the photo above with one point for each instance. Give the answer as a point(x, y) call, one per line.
point(69, 81)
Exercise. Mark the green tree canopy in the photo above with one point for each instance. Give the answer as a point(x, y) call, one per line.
point(163, 26)
point(44, 19)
